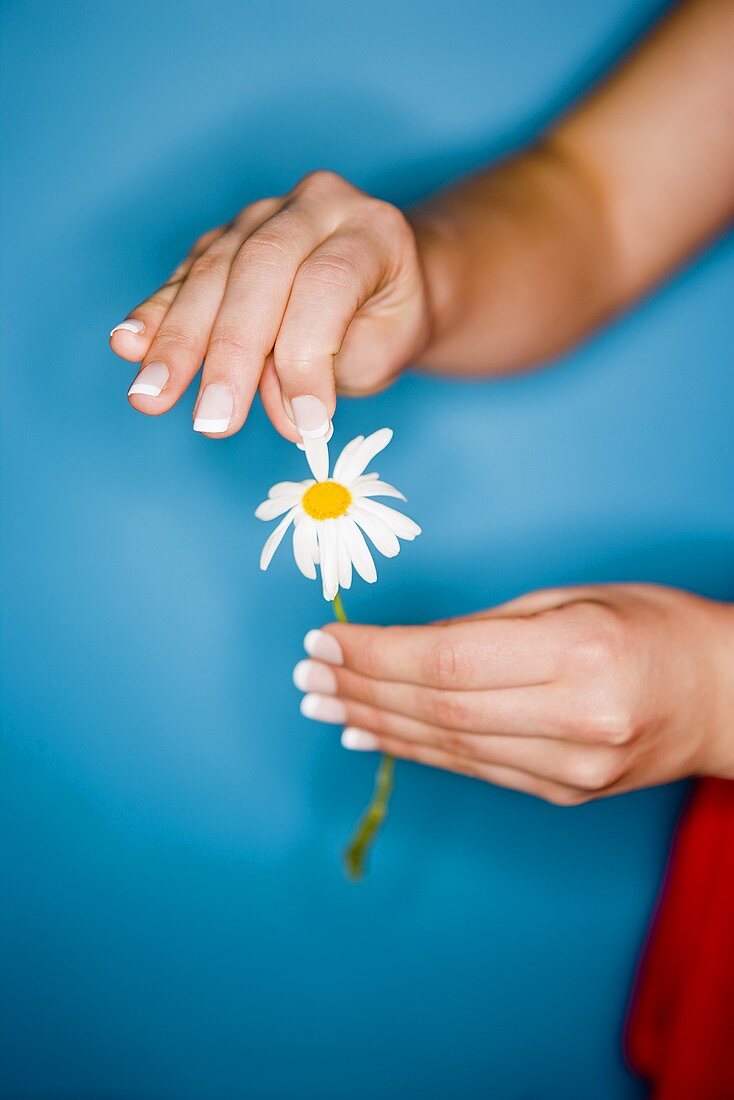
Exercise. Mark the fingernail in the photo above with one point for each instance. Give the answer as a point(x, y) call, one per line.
point(323, 708)
point(151, 380)
point(313, 676)
point(327, 437)
point(360, 740)
point(129, 326)
point(311, 417)
point(323, 647)
point(214, 411)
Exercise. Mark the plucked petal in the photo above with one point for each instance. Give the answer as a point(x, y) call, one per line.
point(363, 455)
point(376, 529)
point(328, 547)
point(269, 509)
point(273, 540)
point(358, 550)
point(317, 453)
point(375, 489)
point(348, 450)
point(344, 560)
point(399, 524)
point(303, 548)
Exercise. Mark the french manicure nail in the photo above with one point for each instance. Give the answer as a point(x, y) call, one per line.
point(313, 676)
point(311, 417)
point(323, 708)
point(323, 647)
point(214, 411)
point(129, 326)
point(360, 740)
point(151, 380)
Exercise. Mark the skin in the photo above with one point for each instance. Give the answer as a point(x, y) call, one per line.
point(328, 290)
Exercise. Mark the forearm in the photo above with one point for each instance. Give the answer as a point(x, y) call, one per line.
point(518, 264)
point(524, 259)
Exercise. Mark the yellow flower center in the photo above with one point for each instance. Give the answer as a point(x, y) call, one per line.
point(326, 500)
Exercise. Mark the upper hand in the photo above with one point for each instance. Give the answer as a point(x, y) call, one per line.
point(302, 294)
point(567, 694)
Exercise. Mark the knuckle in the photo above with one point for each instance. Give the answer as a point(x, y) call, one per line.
point(616, 727)
point(321, 179)
point(445, 708)
point(174, 336)
point(331, 269)
point(592, 773)
point(370, 657)
point(158, 301)
point(227, 339)
point(568, 798)
point(368, 691)
point(264, 249)
point(206, 265)
point(455, 744)
point(261, 208)
point(391, 218)
point(204, 240)
point(599, 726)
point(441, 662)
point(599, 639)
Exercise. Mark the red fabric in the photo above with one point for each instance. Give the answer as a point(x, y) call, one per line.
point(680, 1032)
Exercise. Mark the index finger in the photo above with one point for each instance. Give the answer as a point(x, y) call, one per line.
point(494, 653)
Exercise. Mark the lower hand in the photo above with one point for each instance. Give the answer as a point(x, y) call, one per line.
point(567, 694)
point(317, 289)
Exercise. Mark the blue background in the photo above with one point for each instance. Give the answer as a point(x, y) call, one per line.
point(176, 921)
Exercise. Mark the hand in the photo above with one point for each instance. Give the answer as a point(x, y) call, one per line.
point(303, 294)
point(568, 694)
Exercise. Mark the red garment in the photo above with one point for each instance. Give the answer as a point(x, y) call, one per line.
point(680, 1032)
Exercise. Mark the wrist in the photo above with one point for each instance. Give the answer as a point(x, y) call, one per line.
point(720, 756)
point(441, 259)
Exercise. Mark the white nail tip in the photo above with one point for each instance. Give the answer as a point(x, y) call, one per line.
point(329, 434)
point(323, 647)
point(214, 426)
point(359, 740)
point(300, 675)
point(142, 387)
point(135, 327)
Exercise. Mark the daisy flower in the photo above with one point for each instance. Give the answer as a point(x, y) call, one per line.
point(332, 515)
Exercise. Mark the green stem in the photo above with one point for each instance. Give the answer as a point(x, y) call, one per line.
point(358, 849)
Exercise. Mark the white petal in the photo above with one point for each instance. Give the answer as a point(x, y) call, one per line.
point(303, 547)
point(401, 525)
point(376, 530)
point(357, 462)
point(366, 477)
point(317, 454)
point(343, 458)
point(329, 558)
point(375, 489)
point(273, 540)
point(286, 488)
point(269, 509)
point(343, 559)
point(357, 549)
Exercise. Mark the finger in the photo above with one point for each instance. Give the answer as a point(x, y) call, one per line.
point(251, 312)
point(466, 655)
point(512, 778)
point(527, 711)
point(180, 343)
point(272, 400)
point(584, 767)
point(132, 338)
point(331, 286)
